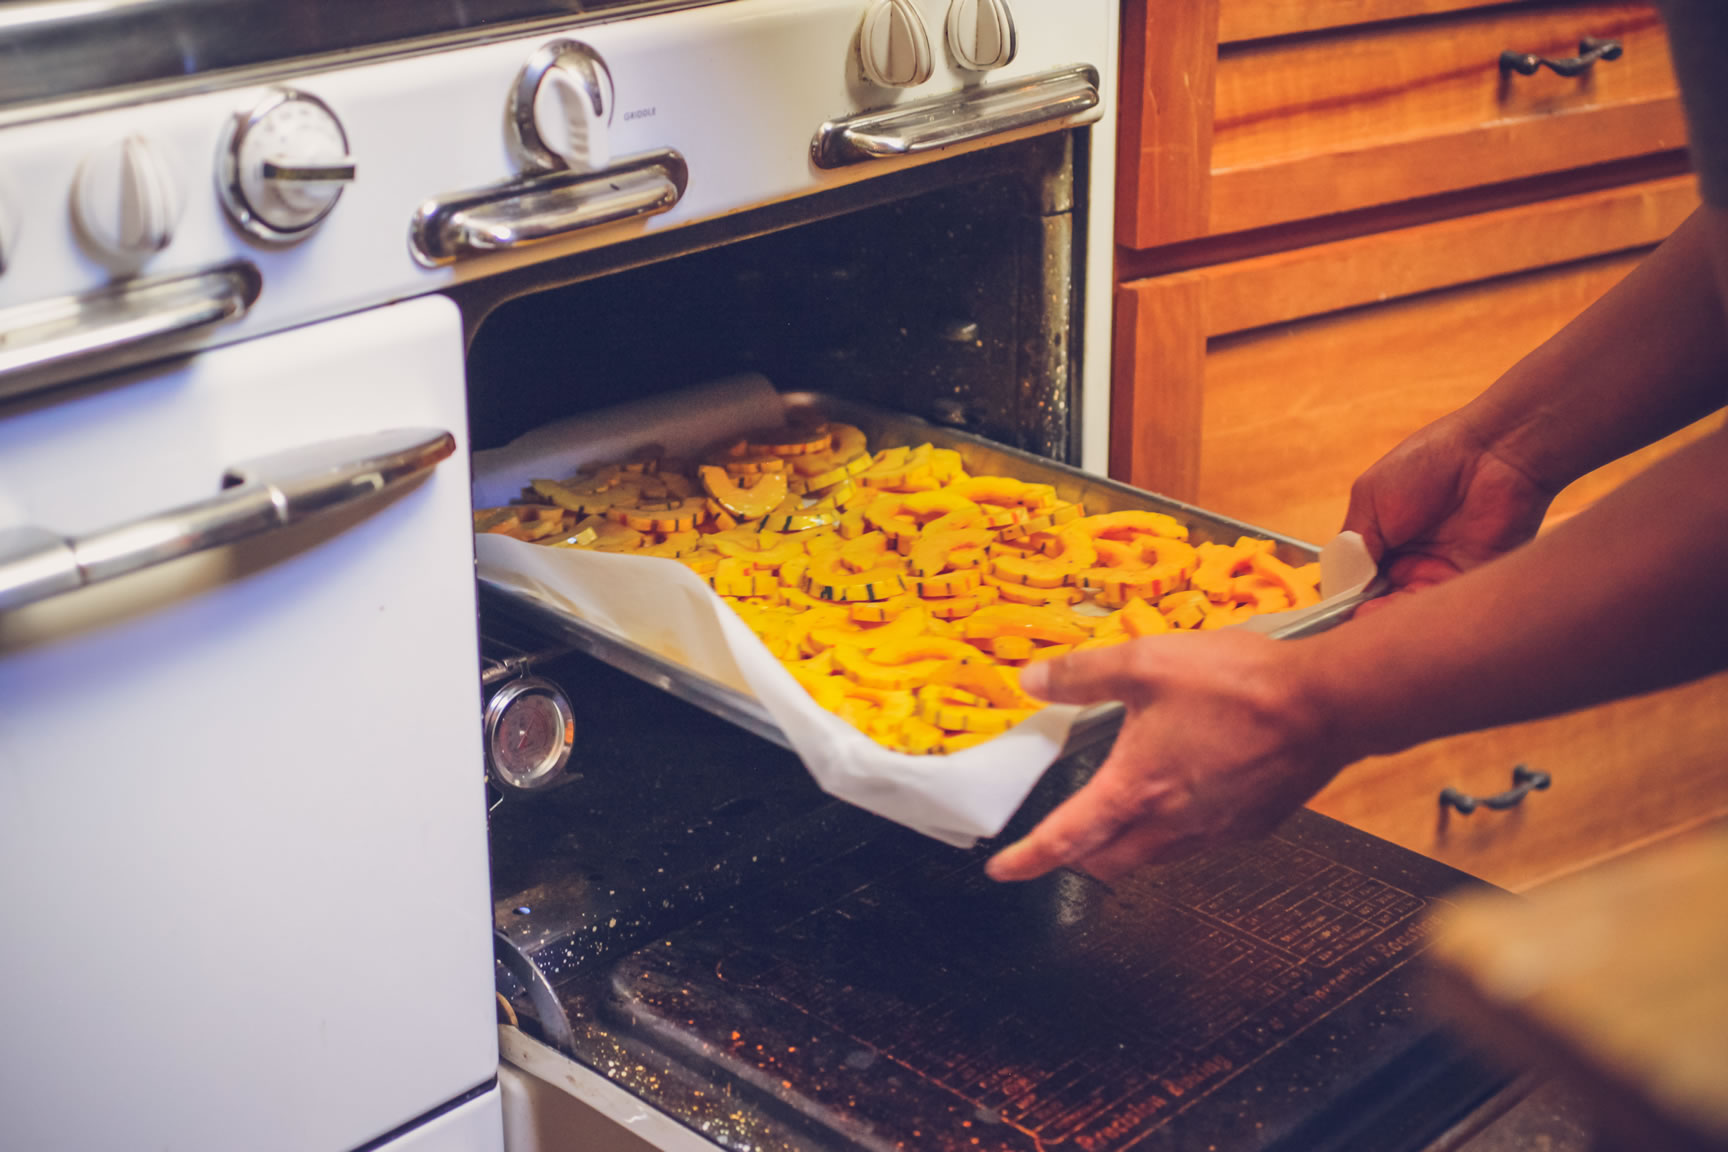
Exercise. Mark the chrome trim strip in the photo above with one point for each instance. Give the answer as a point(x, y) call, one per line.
point(535, 209)
point(259, 496)
point(51, 341)
point(945, 121)
point(279, 71)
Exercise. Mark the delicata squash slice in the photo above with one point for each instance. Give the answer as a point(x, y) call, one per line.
point(902, 593)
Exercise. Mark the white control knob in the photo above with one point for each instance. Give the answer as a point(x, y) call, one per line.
point(894, 46)
point(980, 34)
point(125, 202)
point(282, 165)
point(6, 231)
point(561, 109)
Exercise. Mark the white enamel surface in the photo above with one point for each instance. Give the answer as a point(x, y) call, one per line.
point(242, 821)
point(474, 1126)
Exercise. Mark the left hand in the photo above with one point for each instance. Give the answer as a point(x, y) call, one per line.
point(1219, 744)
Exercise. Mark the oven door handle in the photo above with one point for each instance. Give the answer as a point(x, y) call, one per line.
point(945, 121)
point(51, 341)
point(258, 496)
point(547, 206)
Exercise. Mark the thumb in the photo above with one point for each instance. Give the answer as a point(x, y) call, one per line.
point(1081, 677)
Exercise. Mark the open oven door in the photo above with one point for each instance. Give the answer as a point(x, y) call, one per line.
point(242, 819)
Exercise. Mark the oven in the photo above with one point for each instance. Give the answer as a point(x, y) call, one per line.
point(275, 284)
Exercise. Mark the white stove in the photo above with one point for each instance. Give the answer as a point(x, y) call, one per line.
point(242, 816)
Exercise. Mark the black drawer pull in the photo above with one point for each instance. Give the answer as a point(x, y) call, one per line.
point(1523, 782)
point(1590, 50)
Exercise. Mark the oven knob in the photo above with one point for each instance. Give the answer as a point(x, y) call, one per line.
point(893, 45)
point(980, 34)
point(561, 109)
point(282, 165)
point(125, 203)
point(5, 237)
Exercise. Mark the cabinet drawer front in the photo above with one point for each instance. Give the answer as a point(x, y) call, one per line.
point(1622, 775)
point(1293, 414)
point(1346, 120)
point(1258, 19)
point(1262, 387)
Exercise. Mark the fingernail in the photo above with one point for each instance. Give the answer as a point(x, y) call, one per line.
point(1034, 678)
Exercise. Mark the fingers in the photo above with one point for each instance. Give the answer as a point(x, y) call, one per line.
point(1080, 827)
point(1137, 848)
point(1361, 517)
point(1115, 673)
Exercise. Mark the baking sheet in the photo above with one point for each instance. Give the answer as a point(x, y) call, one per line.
point(662, 621)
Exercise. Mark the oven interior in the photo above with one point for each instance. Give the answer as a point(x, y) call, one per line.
point(947, 291)
point(689, 916)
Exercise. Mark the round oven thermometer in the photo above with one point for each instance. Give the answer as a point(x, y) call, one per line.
point(530, 729)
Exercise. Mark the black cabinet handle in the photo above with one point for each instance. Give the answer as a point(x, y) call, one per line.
point(1524, 781)
point(1590, 50)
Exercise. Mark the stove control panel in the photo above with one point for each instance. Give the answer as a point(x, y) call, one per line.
point(621, 128)
point(282, 165)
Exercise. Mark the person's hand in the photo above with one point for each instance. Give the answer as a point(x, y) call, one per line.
point(1441, 503)
point(1219, 744)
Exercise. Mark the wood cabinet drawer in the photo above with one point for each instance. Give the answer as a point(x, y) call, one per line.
point(1222, 137)
point(1333, 123)
point(1262, 387)
point(1622, 775)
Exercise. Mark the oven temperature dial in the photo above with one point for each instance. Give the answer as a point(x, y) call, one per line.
point(530, 729)
point(282, 165)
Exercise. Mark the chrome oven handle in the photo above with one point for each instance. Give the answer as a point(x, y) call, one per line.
point(545, 206)
point(942, 122)
point(258, 496)
point(51, 341)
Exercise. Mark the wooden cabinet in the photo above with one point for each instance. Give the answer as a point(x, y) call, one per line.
point(1339, 219)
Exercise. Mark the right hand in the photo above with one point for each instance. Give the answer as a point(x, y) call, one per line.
point(1441, 503)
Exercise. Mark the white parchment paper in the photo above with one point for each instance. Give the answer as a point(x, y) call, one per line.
point(665, 607)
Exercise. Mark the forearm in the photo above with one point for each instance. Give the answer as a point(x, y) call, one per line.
point(1623, 598)
point(1646, 359)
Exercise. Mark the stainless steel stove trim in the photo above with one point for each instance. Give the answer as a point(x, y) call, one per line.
point(1066, 95)
point(535, 209)
point(51, 341)
point(260, 496)
point(87, 99)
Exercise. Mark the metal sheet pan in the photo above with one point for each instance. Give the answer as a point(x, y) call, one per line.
point(982, 457)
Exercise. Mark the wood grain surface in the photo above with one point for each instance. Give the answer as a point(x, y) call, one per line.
point(1616, 979)
point(1257, 19)
point(1331, 123)
point(1350, 346)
